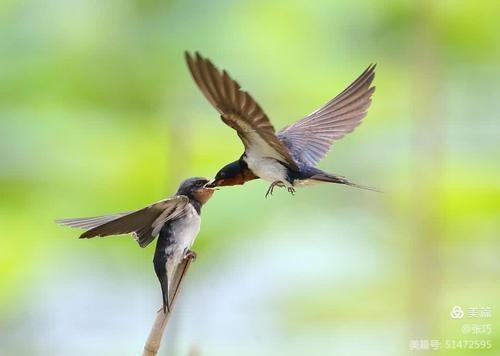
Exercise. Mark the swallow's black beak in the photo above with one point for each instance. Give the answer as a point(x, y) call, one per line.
point(212, 184)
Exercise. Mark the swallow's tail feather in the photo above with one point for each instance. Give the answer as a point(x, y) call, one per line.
point(163, 278)
point(164, 293)
point(332, 178)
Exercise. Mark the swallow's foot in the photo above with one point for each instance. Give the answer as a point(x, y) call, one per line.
point(165, 309)
point(291, 190)
point(271, 187)
point(189, 254)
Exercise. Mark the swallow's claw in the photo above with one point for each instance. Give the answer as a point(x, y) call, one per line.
point(163, 309)
point(271, 187)
point(269, 190)
point(291, 190)
point(190, 255)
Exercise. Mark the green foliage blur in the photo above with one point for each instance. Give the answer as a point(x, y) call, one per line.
point(98, 114)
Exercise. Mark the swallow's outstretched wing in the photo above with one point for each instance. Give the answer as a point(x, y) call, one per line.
point(143, 224)
point(238, 110)
point(309, 139)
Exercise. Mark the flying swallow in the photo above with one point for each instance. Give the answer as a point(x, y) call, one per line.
point(286, 158)
point(175, 220)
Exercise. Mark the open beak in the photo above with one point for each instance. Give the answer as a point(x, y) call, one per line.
point(212, 184)
point(203, 194)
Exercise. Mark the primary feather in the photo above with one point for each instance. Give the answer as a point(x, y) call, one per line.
point(143, 224)
point(310, 139)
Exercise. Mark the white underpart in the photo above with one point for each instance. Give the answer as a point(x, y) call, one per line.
point(263, 162)
point(185, 231)
point(261, 158)
point(266, 168)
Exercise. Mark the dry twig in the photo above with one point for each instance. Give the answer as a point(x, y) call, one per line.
point(154, 339)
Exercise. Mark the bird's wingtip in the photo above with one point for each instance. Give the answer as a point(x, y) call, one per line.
point(63, 222)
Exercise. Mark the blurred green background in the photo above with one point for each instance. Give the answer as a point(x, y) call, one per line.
point(99, 114)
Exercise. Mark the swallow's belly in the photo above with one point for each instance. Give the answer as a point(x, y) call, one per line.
point(184, 232)
point(268, 169)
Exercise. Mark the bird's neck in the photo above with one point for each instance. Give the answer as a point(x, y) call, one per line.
point(196, 204)
point(245, 172)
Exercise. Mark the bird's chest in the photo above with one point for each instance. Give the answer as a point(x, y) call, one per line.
point(185, 229)
point(266, 168)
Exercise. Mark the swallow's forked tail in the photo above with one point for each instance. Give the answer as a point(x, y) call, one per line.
point(332, 178)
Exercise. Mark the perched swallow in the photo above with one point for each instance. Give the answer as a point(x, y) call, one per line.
point(176, 220)
point(286, 158)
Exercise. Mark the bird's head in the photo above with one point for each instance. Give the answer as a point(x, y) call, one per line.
point(195, 188)
point(235, 173)
point(230, 174)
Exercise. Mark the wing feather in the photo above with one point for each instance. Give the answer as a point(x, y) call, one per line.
point(143, 224)
point(310, 139)
point(238, 110)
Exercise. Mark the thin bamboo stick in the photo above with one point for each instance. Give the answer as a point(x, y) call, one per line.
point(153, 341)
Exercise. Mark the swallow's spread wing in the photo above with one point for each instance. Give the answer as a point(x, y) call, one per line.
point(144, 224)
point(309, 139)
point(238, 110)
